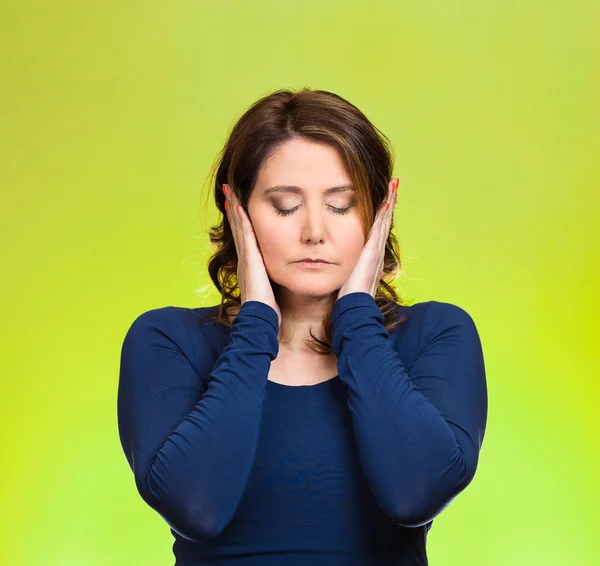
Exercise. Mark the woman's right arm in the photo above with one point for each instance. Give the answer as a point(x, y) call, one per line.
point(190, 446)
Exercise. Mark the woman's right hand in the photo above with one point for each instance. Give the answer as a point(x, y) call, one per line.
point(251, 272)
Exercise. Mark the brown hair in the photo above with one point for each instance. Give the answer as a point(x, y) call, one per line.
point(313, 115)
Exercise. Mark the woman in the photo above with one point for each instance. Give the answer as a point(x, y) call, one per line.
point(261, 442)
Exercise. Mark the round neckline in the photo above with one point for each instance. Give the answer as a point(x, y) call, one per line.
point(303, 387)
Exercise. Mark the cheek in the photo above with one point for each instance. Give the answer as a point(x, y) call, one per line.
point(271, 241)
point(274, 248)
point(351, 244)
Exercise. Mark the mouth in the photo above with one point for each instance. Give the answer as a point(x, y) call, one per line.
point(312, 263)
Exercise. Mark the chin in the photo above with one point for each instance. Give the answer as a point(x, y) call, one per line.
point(304, 286)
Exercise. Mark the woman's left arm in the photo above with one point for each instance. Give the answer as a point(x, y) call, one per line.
point(418, 432)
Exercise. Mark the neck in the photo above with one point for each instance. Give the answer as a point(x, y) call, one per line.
point(301, 314)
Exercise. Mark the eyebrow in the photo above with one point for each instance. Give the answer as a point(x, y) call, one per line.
point(298, 190)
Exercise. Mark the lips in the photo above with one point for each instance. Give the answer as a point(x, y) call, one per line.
point(308, 259)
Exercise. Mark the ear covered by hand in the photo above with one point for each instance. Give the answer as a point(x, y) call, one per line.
point(252, 275)
point(368, 270)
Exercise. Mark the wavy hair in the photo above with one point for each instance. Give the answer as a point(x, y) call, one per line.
point(313, 115)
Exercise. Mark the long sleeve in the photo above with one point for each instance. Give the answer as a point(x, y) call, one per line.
point(418, 432)
point(191, 445)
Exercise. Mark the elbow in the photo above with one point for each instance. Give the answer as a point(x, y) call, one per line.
point(198, 527)
point(427, 501)
point(183, 514)
point(414, 513)
point(412, 517)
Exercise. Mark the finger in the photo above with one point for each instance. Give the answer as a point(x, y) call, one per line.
point(244, 233)
point(392, 205)
point(242, 222)
point(380, 227)
point(386, 216)
point(395, 196)
point(375, 232)
point(233, 220)
point(249, 235)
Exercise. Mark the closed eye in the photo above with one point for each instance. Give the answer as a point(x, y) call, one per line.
point(283, 212)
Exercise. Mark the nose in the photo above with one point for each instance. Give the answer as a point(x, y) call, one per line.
point(313, 227)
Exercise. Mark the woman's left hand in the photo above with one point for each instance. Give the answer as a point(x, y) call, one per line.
point(369, 268)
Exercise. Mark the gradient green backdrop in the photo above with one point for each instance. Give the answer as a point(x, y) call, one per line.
point(111, 115)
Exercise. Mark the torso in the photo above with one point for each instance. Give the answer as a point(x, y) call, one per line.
point(307, 369)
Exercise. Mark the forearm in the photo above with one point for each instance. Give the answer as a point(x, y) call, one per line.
point(195, 475)
point(408, 452)
point(418, 445)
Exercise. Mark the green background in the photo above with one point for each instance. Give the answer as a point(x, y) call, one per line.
point(112, 113)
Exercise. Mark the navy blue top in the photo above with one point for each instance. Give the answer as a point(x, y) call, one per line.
point(350, 471)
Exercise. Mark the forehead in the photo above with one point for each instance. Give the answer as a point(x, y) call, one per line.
point(300, 166)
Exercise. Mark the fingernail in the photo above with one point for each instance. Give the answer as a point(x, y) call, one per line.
point(387, 205)
point(226, 206)
point(225, 189)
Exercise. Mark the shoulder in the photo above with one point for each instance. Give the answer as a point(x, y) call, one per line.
point(158, 326)
point(448, 324)
point(429, 320)
point(179, 325)
point(170, 318)
point(191, 331)
point(429, 313)
point(175, 319)
point(433, 312)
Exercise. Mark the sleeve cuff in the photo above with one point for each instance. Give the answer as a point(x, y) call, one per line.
point(260, 310)
point(353, 314)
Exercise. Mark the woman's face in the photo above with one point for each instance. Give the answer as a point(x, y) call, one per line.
point(319, 224)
